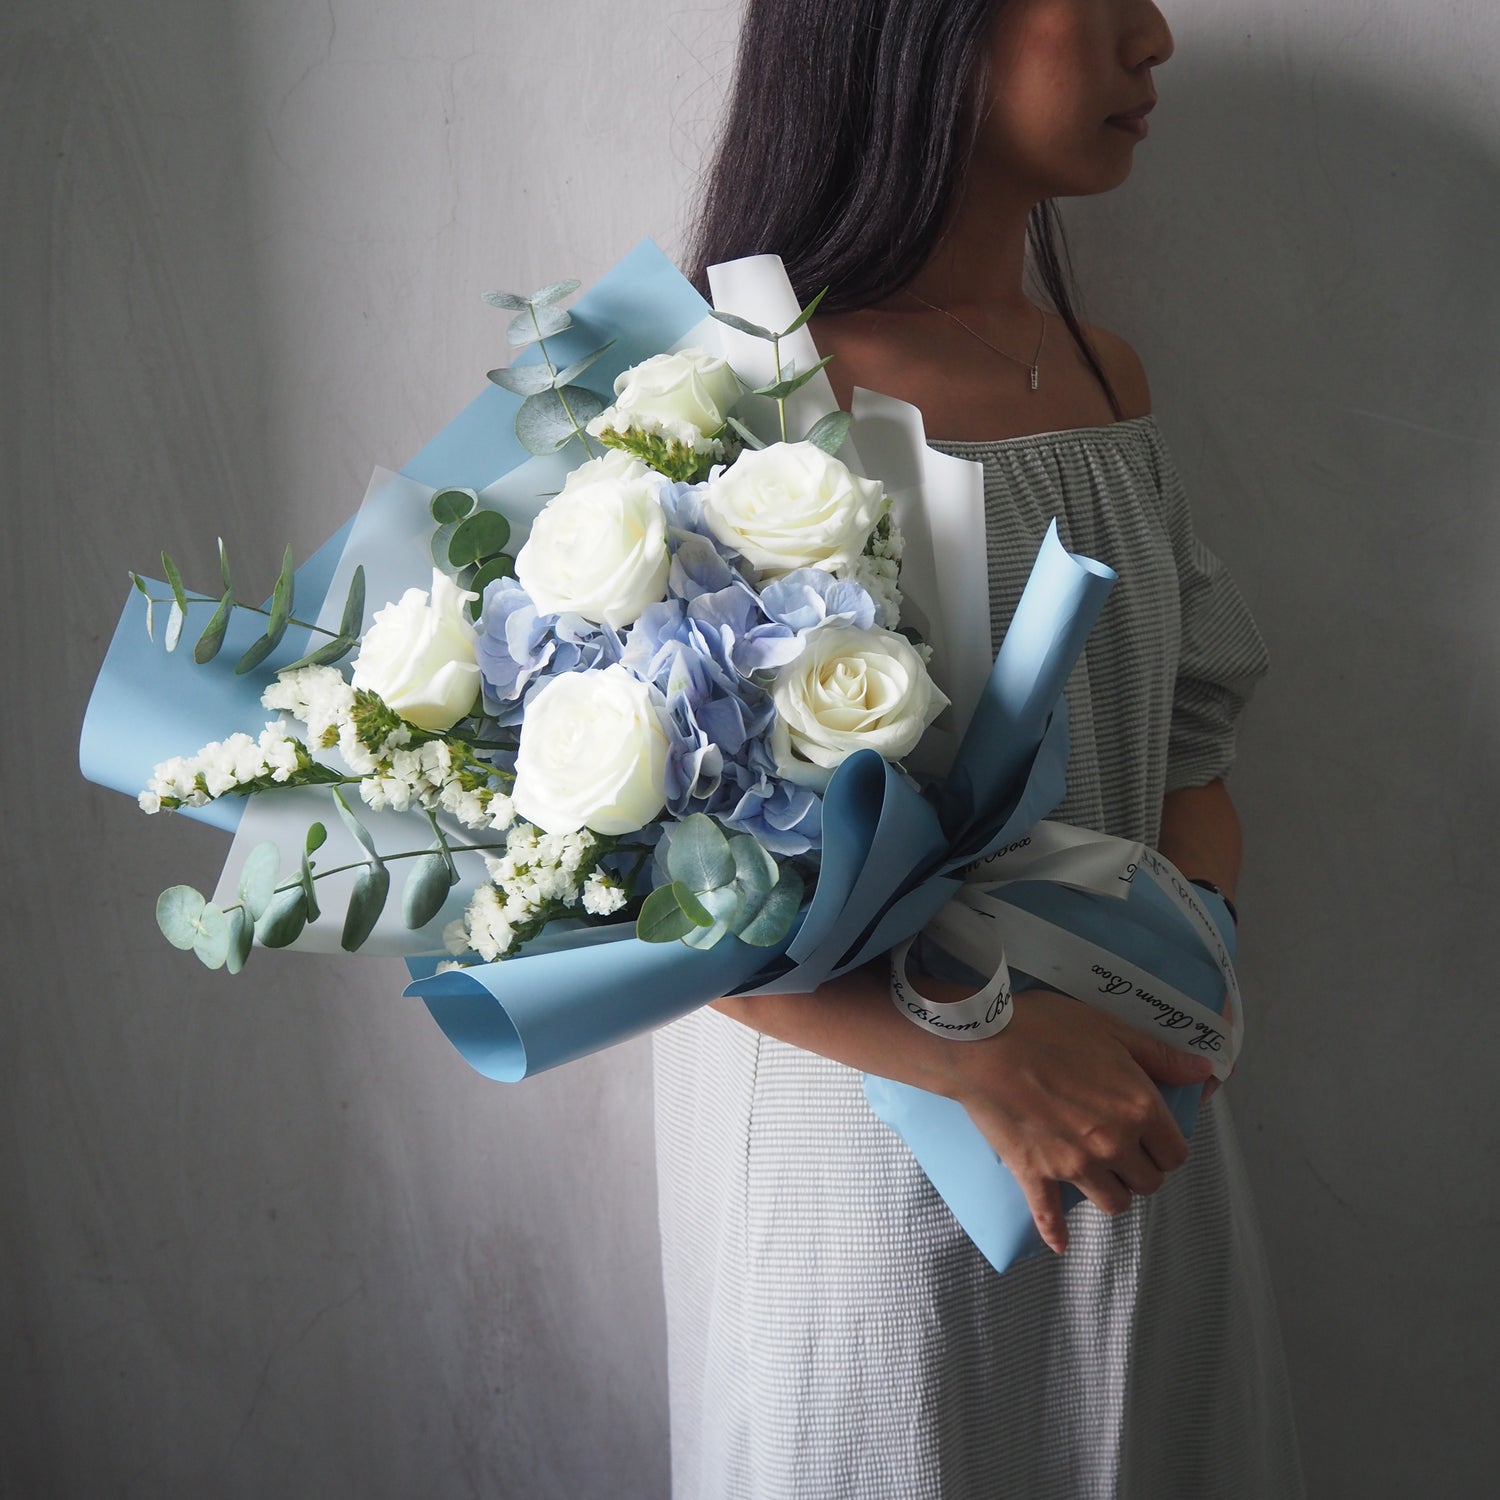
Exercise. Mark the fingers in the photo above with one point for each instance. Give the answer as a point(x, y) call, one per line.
point(1163, 1063)
point(1045, 1203)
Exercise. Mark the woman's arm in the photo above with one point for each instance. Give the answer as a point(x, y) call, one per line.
point(1064, 1094)
point(1200, 834)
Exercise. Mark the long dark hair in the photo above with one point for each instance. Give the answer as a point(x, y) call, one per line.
point(849, 127)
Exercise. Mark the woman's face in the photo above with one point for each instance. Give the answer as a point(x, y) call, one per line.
point(1059, 69)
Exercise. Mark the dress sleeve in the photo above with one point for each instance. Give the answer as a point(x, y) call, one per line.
point(1223, 655)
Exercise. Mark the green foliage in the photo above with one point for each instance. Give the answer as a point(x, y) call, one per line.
point(766, 924)
point(698, 854)
point(213, 635)
point(779, 390)
point(176, 617)
point(505, 301)
point(241, 939)
point(669, 913)
point(174, 582)
point(571, 373)
point(669, 456)
point(746, 436)
point(548, 420)
point(449, 507)
point(258, 875)
point(187, 920)
point(527, 379)
point(497, 567)
point(554, 291)
point(804, 315)
point(353, 618)
point(718, 886)
point(743, 326)
point(177, 911)
point(282, 921)
point(482, 535)
point(366, 902)
point(223, 565)
point(355, 827)
point(535, 324)
point(317, 836)
point(829, 432)
point(426, 889)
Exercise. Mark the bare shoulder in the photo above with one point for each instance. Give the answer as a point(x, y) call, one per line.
point(1123, 366)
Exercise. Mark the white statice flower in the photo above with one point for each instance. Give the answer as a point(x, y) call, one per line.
point(452, 965)
point(456, 938)
point(878, 577)
point(602, 894)
point(223, 766)
point(318, 696)
point(490, 934)
point(684, 397)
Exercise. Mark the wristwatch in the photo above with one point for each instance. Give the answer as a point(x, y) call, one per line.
point(1212, 889)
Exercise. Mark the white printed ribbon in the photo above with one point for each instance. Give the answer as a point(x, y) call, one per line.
point(988, 934)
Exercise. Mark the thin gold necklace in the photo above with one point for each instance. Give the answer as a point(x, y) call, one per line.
point(1030, 364)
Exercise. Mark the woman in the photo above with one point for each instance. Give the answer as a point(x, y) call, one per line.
point(833, 1333)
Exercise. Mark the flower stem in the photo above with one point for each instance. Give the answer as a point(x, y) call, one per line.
point(541, 344)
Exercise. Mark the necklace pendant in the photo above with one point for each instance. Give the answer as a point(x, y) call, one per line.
point(1033, 377)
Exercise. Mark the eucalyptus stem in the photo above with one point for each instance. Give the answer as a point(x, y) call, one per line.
point(360, 864)
point(541, 344)
point(780, 400)
point(240, 604)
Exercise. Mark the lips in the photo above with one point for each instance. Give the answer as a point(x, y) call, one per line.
point(1138, 113)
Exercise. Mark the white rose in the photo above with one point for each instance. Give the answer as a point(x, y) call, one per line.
point(686, 396)
point(418, 654)
point(791, 506)
point(851, 689)
point(599, 547)
point(593, 754)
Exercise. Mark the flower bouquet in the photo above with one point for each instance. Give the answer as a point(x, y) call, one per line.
point(694, 701)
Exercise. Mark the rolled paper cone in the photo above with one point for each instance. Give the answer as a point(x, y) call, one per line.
point(1046, 635)
point(523, 1015)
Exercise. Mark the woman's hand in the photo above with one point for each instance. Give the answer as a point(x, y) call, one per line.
point(1066, 1093)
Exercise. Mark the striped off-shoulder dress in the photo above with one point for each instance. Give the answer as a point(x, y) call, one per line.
point(832, 1332)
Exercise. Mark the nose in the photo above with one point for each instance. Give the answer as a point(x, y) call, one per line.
point(1149, 39)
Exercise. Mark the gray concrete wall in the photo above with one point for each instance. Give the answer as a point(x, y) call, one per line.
point(272, 1237)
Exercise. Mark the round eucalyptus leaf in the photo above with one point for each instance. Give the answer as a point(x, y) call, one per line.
point(706, 937)
point(241, 937)
point(438, 546)
point(366, 902)
point(212, 943)
point(773, 921)
point(507, 301)
point(283, 920)
point(484, 533)
point(554, 291)
point(543, 424)
point(317, 836)
point(699, 856)
point(755, 870)
point(258, 878)
point(662, 919)
point(524, 378)
point(177, 911)
point(449, 507)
